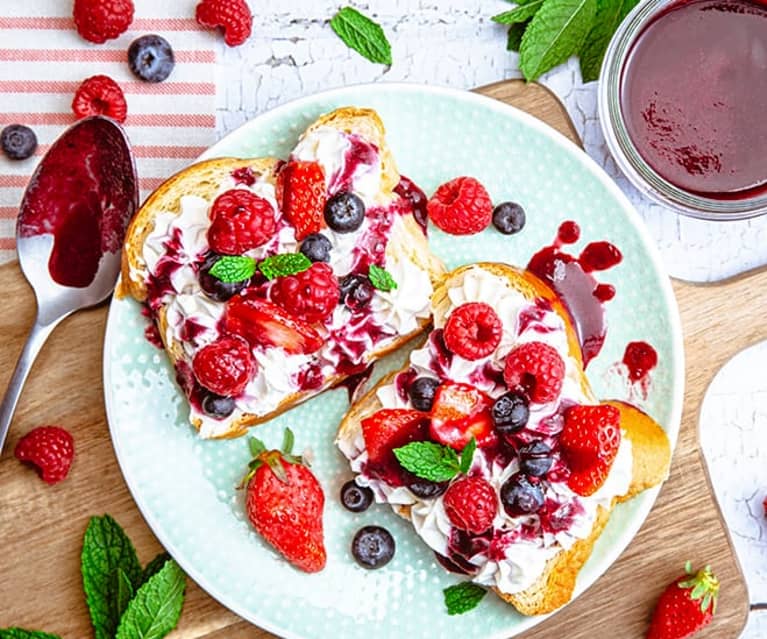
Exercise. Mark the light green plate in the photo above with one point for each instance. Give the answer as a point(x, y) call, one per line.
point(185, 487)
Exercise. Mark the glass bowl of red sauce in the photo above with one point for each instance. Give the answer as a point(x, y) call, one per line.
point(683, 105)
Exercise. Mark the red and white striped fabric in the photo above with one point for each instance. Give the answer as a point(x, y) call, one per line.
point(43, 60)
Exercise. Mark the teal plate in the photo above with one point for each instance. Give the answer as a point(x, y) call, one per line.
point(185, 487)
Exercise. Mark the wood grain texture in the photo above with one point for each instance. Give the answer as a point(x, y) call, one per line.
point(42, 526)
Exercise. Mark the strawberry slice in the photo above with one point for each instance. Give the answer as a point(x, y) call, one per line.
point(460, 412)
point(262, 323)
point(385, 430)
point(301, 194)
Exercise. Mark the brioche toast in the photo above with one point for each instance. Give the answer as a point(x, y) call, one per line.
point(168, 260)
point(531, 560)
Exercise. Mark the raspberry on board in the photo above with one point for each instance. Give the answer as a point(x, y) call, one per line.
point(233, 16)
point(311, 295)
point(473, 330)
point(537, 369)
point(100, 95)
point(461, 207)
point(50, 448)
point(101, 20)
point(241, 221)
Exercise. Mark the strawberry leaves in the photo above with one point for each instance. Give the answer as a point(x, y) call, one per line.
point(435, 462)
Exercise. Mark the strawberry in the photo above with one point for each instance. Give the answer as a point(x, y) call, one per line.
point(262, 323)
point(685, 606)
point(284, 503)
point(50, 449)
point(301, 194)
point(460, 412)
point(590, 440)
point(387, 429)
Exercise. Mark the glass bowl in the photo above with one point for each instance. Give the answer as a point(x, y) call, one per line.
point(623, 150)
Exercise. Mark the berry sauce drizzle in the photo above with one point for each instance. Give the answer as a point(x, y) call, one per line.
point(408, 191)
point(571, 277)
point(83, 193)
point(354, 383)
point(640, 359)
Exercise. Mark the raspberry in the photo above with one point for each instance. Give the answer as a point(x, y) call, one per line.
point(473, 331)
point(224, 366)
point(301, 194)
point(233, 16)
point(101, 20)
point(100, 95)
point(537, 369)
point(241, 221)
point(50, 448)
point(311, 295)
point(471, 504)
point(461, 207)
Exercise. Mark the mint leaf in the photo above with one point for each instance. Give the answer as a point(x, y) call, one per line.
point(106, 550)
point(20, 633)
point(156, 608)
point(233, 268)
point(154, 566)
point(428, 460)
point(362, 34)
point(123, 592)
point(381, 278)
point(521, 13)
point(516, 31)
point(556, 32)
point(467, 454)
point(463, 597)
point(610, 13)
point(284, 264)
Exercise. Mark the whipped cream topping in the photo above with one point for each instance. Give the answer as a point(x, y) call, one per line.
point(517, 553)
point(178, 243)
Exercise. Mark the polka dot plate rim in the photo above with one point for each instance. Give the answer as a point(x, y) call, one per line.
point(185, 487)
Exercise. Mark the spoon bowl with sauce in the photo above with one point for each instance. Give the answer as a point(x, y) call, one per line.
point(70, 230)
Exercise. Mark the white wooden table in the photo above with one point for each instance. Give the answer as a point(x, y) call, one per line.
point(294, 53)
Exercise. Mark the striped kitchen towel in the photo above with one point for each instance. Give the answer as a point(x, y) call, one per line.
point(43, 60)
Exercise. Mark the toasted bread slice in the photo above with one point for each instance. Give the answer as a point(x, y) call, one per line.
point(406, 247)
point(650, 449)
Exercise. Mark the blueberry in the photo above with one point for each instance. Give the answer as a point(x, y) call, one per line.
point(213, 287)
point(520, 496)
point(356, 291)
point(317, 247)
point(150, 57)
point(18, 141)
point(356, 498)
point(373, 547)
point(427, 489)
point(216, 406)
point(422, 392)
point(344, 212)
point(509, 218)
point(510, 413)
point(535, 459)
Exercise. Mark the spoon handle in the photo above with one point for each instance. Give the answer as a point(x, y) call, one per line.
point(37, 336)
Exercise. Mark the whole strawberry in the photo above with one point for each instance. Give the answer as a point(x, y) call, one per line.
point(686, 605)
point(50, 448)
point(285, 503)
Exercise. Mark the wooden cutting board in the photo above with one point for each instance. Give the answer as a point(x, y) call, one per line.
point(41, 526)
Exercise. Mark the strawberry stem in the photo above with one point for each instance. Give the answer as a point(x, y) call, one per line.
point(703, 586)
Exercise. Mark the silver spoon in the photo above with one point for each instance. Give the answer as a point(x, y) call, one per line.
point(70, 231)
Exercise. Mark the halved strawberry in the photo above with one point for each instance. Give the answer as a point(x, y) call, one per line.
point(302, 193)
point(387, 429)
point(460, 412)
point(262, 323)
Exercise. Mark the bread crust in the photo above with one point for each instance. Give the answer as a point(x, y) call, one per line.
point(651, 450)
point(204, 179)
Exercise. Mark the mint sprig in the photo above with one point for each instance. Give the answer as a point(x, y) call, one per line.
point(435, 462)
point(610, 13)
point(284, 264)
point(381, 278)
point(521, 13)
point(516, 31)
point(233, 268)
point(362, 34)
point(463, 597)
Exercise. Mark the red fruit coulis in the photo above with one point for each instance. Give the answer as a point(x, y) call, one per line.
point(83, 193)
point(244, 175)
point(408, 191)
point(571, 278)
point(359, 152)
point(639, 360)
